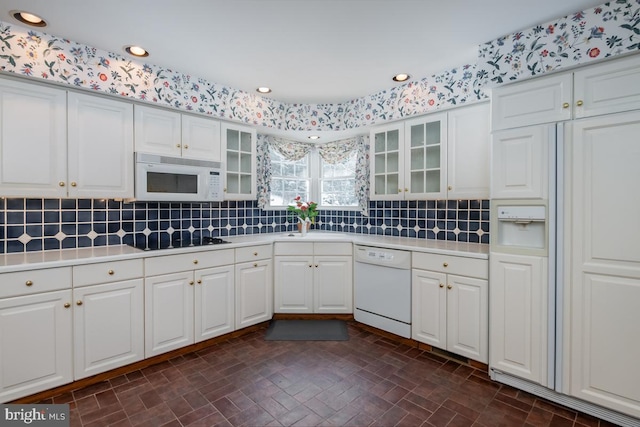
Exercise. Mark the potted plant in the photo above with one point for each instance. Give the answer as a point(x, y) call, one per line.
point(306, 212)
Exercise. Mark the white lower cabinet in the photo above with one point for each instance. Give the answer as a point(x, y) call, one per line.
point(313, 278)
point(108, 326)
point(35, 331)
point(214, 302)
point(518, 325)
point(172, 311)
point(450, 304)
point(254, 300)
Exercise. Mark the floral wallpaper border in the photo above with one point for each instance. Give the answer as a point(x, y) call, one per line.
point(607, 30)
point(604, 31)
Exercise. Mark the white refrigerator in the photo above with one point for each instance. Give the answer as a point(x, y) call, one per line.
point(564, 297)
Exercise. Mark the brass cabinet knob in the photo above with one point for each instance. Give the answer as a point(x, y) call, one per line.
point(399, 190)
point(110, 272)
point(565, 105)
point(195, 261)
point(255, 265)
point(191, 282)
point(579, 103)
point(199, 281)
point(406, 189)
point(316, 265)
point(450, 187)
point(28, 283)
point(442, 285)
point(74, 184)
point(61, 183)
point(445, 264)
point(177, 145)
point(67, 305)
point(224, 189)
point(449, 286)
point(79, 302)
point(255, 254)
point(186, 146)
point(310, 265)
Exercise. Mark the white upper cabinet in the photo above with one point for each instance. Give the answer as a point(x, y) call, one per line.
point(170, 133)
point(239, 155)
point(158, 131)
point(425, 157)
point(468, 152)
point(542, 100)
point(200, 138)
point(387, 169)
point(519, 165)
point(100, 160)
point(610, 87)
point(437, 156)
point(33, 141)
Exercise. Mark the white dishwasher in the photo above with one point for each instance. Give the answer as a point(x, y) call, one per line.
point(382, 292)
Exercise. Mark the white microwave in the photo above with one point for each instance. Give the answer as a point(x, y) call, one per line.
point(174, 179)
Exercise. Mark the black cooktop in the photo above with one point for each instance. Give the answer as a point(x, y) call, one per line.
point(188, 243)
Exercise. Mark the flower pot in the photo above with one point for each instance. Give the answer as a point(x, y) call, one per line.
point(308, 227)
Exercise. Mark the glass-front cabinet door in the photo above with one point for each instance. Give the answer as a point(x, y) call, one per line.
point(425, 157)
point(239, 147)
point(387, 168)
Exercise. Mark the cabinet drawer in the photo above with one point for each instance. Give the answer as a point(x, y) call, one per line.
point(333, 249)
point(185, 262)
point(293, 248)
point(254, 252)
point(34, 281)
point(459, 265)
point(106, 272)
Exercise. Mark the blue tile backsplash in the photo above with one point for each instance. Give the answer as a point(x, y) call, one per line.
point(46, 224)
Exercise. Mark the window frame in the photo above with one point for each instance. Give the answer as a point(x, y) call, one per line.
point(315, 170)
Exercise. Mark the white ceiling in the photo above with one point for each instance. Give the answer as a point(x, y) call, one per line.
point(307, 51)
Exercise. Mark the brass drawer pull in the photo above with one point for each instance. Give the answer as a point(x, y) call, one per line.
point(110, 272)
point(28, 283)
point(79, 302)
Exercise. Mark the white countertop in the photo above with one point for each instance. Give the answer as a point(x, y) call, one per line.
point(68, 257)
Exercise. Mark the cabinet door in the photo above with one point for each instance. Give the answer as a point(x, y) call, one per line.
point(387, 170)
point(200, 138)
point(611, 87)
point(254, 298)
point(520, 163)
point(214, 302)
point(100, 147)
point(36, 351)
point(518, 304)
point(425, 154)
point(293, 289)
point(542, 100)
point(604, 277)
point(108, 326)
point(467, 317)
point(468, 159)
point(33, 141)
point(429, 308)
point(157, 131)
point(168, 312)
point(238, 150)
point(333, 284)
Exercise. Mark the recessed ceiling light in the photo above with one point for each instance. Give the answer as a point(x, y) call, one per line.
point(313, 137)
point(401, 77)
point(136, 51)
point(28, 18)
point(264, 89)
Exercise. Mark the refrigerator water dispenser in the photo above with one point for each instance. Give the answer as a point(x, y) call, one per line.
point(522, 226)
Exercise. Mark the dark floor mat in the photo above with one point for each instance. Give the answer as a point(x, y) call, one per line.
point(307, 330)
